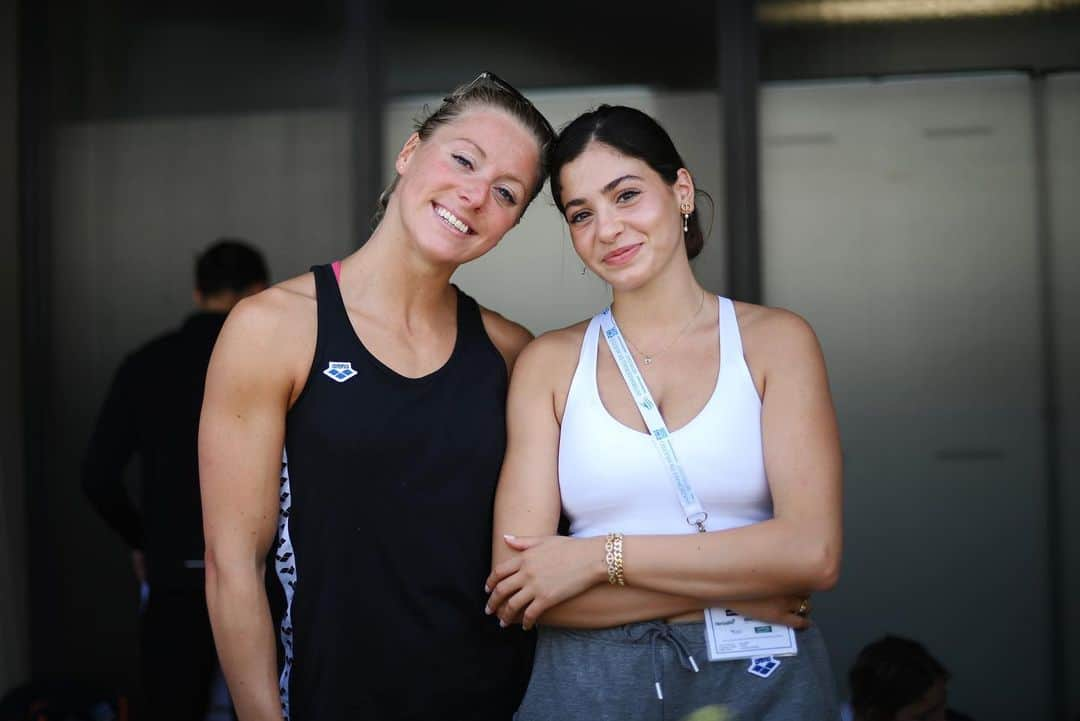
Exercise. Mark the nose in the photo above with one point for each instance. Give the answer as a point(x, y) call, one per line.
point(473, 193)
point(608, 227)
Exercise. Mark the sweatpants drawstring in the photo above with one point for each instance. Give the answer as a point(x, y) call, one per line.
point(658, 632)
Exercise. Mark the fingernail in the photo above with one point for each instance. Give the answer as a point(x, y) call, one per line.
point(486, 589)
point(487, 610)
point(508, 537)
point(502, 623)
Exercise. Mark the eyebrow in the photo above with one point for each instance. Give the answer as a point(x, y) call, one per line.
point(483, 155)
point(474, 144)
point(606, 189)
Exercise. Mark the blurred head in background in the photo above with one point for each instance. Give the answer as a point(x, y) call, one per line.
point(896, 679)
point(226, 272)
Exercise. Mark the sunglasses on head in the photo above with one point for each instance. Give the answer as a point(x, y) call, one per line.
point(488, 78)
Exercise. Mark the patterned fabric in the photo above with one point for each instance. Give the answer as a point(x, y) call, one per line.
point(285, 565)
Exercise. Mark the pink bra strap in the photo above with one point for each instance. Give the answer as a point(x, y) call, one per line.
point(336, 265)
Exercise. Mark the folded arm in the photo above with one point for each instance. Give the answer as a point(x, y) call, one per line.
point(789, 556)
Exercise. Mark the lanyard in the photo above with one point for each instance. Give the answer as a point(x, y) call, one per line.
point(658, 432)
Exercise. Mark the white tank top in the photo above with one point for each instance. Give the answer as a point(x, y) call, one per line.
point(612, 478)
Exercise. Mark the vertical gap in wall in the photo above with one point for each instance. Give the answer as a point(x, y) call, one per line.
point(34, 124)
point(737, 74)
point(1051, 409)
point(364, 26)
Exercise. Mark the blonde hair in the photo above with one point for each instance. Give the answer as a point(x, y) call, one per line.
point(486, 91)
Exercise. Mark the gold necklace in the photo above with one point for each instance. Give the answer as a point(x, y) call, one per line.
point(648, 358)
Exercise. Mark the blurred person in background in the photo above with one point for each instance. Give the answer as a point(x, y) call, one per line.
point(354, 422)
point(896, 679)
point(152, 412)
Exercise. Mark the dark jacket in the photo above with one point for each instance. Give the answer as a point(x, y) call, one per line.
point(152, 412)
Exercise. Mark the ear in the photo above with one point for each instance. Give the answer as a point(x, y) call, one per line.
point(684, 187)
point(406, 153)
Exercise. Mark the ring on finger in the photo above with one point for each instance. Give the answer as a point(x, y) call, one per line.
point(804, 608)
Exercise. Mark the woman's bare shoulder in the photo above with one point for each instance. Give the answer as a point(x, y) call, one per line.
point(513, 338)
point(275, 327)
point(509, 337)
point(561, 340)
point(278, 306)
point(553, 355)
point(772, 335)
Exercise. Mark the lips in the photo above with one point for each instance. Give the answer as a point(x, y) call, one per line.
point(623, 255)
point(452, 221)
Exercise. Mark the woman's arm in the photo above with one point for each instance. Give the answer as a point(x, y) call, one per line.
point(527, 500)
point(241, 434)
point(605, 605)
point(528, 503)
point(796, 552)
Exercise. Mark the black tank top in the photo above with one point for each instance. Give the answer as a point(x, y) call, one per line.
point(388, 484)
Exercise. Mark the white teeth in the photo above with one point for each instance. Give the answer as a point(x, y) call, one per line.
point(451, 219)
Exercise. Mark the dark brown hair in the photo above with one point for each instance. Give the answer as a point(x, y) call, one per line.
point(632, 133)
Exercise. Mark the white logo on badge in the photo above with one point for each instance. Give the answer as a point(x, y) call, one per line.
point(339, 372)
point(763, 667)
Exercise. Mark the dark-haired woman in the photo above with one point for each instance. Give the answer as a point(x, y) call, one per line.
point(385, 386)
point(730, 502)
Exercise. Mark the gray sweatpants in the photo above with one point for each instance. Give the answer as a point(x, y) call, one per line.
point(597, 675)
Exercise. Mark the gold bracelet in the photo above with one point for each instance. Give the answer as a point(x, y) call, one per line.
point(613, 556)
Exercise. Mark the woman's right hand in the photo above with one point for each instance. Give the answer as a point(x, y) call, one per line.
point(781, 610)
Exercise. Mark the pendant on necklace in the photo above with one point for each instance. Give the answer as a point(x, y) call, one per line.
point(648, 360)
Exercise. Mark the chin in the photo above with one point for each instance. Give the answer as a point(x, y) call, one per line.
point(445, 251)
point(626, 280)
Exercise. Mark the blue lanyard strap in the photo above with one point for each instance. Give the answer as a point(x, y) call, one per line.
point(658, 432)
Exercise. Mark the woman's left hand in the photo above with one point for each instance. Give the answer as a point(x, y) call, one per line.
point(547, 571)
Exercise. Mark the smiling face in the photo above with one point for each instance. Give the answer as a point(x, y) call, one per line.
point(624, 219)
point(465, 186)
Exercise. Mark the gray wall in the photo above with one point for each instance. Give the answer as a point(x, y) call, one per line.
point(14, 657)
point(900, 220)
